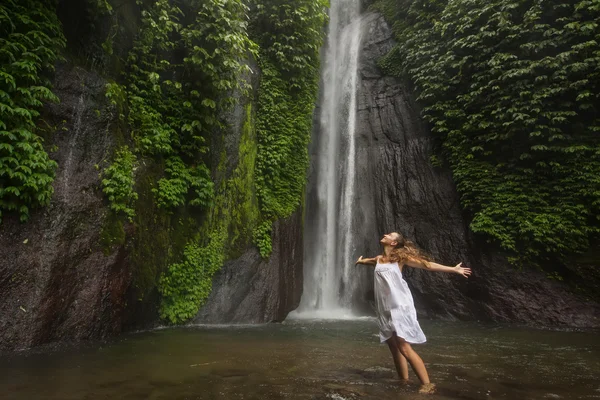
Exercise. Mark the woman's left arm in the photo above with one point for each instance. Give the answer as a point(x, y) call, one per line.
point(431, 266)
point(367, 261)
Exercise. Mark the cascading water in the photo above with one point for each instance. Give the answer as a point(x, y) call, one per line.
point(329, 281)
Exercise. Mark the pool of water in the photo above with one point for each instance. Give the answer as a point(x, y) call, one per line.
point(310, 359)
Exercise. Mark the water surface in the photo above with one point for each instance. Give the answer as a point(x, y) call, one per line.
point(306, 359)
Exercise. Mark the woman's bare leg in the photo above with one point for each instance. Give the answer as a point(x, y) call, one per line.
point(413, 358)
point(399, 359)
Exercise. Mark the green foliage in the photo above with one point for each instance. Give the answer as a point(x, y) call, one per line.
point(118, 182)
point(172, 191)
point(158, 234)
point(112, 234)
point(284, 126)
point(100, 6)
point(238, 199)
point(148, 104)
point(218, 42)
point(182, 73)
point(262, 238)
point(115, 93)
point(30, 41)
point(172, 107)
point(555, 276)
point(185, 285)
point(289, 37)
point(97, 10)
point(512, 91)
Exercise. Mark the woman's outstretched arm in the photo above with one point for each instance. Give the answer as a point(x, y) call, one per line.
point(367, 261)
point(431, 266)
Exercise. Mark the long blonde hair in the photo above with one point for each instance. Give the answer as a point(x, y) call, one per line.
point(406, 250)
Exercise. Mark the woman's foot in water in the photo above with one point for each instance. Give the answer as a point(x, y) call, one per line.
point(427, 388)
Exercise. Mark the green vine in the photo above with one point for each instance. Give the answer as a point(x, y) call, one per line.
point(150, 98)
point(186, 285)
point(172, 117)
point(118, 182)
point(30, 42)
point(262, 238)
point(289, 37)
point(184, 71)
point(171, 192)
point(512, 91)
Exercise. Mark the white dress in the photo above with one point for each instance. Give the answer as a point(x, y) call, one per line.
point(395, 307)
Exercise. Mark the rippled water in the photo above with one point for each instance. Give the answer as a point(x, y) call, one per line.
point(310, 360)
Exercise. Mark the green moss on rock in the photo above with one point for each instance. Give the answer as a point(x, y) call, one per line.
point(112, 234)
point(187, 283)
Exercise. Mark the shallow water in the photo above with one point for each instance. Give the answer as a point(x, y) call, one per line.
point(306, 359)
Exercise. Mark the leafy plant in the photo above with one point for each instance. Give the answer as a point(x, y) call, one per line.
point(30, 42)
point(289, 37)
point(511, 89)
point(172, 191)
point(186, 285)
point(118, 182)
point(262, 238)
point(218, 45)
point(181, 75)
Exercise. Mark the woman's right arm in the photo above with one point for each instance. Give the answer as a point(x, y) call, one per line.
point(367, 261)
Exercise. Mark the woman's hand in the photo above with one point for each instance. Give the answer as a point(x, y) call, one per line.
point(462, 271)
point(359, 261)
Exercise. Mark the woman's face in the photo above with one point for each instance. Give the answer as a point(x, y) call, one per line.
point(389, 238)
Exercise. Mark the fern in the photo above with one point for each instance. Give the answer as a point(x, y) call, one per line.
point(30, 42)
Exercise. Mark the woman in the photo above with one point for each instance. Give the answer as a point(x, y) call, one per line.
point(396, 314)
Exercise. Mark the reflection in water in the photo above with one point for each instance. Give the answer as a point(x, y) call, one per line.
point(310, 360)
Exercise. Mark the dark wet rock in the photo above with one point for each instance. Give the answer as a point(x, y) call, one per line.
point(55, 280)
point(410, 195)
point(252, 290)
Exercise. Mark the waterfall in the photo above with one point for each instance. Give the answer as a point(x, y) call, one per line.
point(329, 278)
